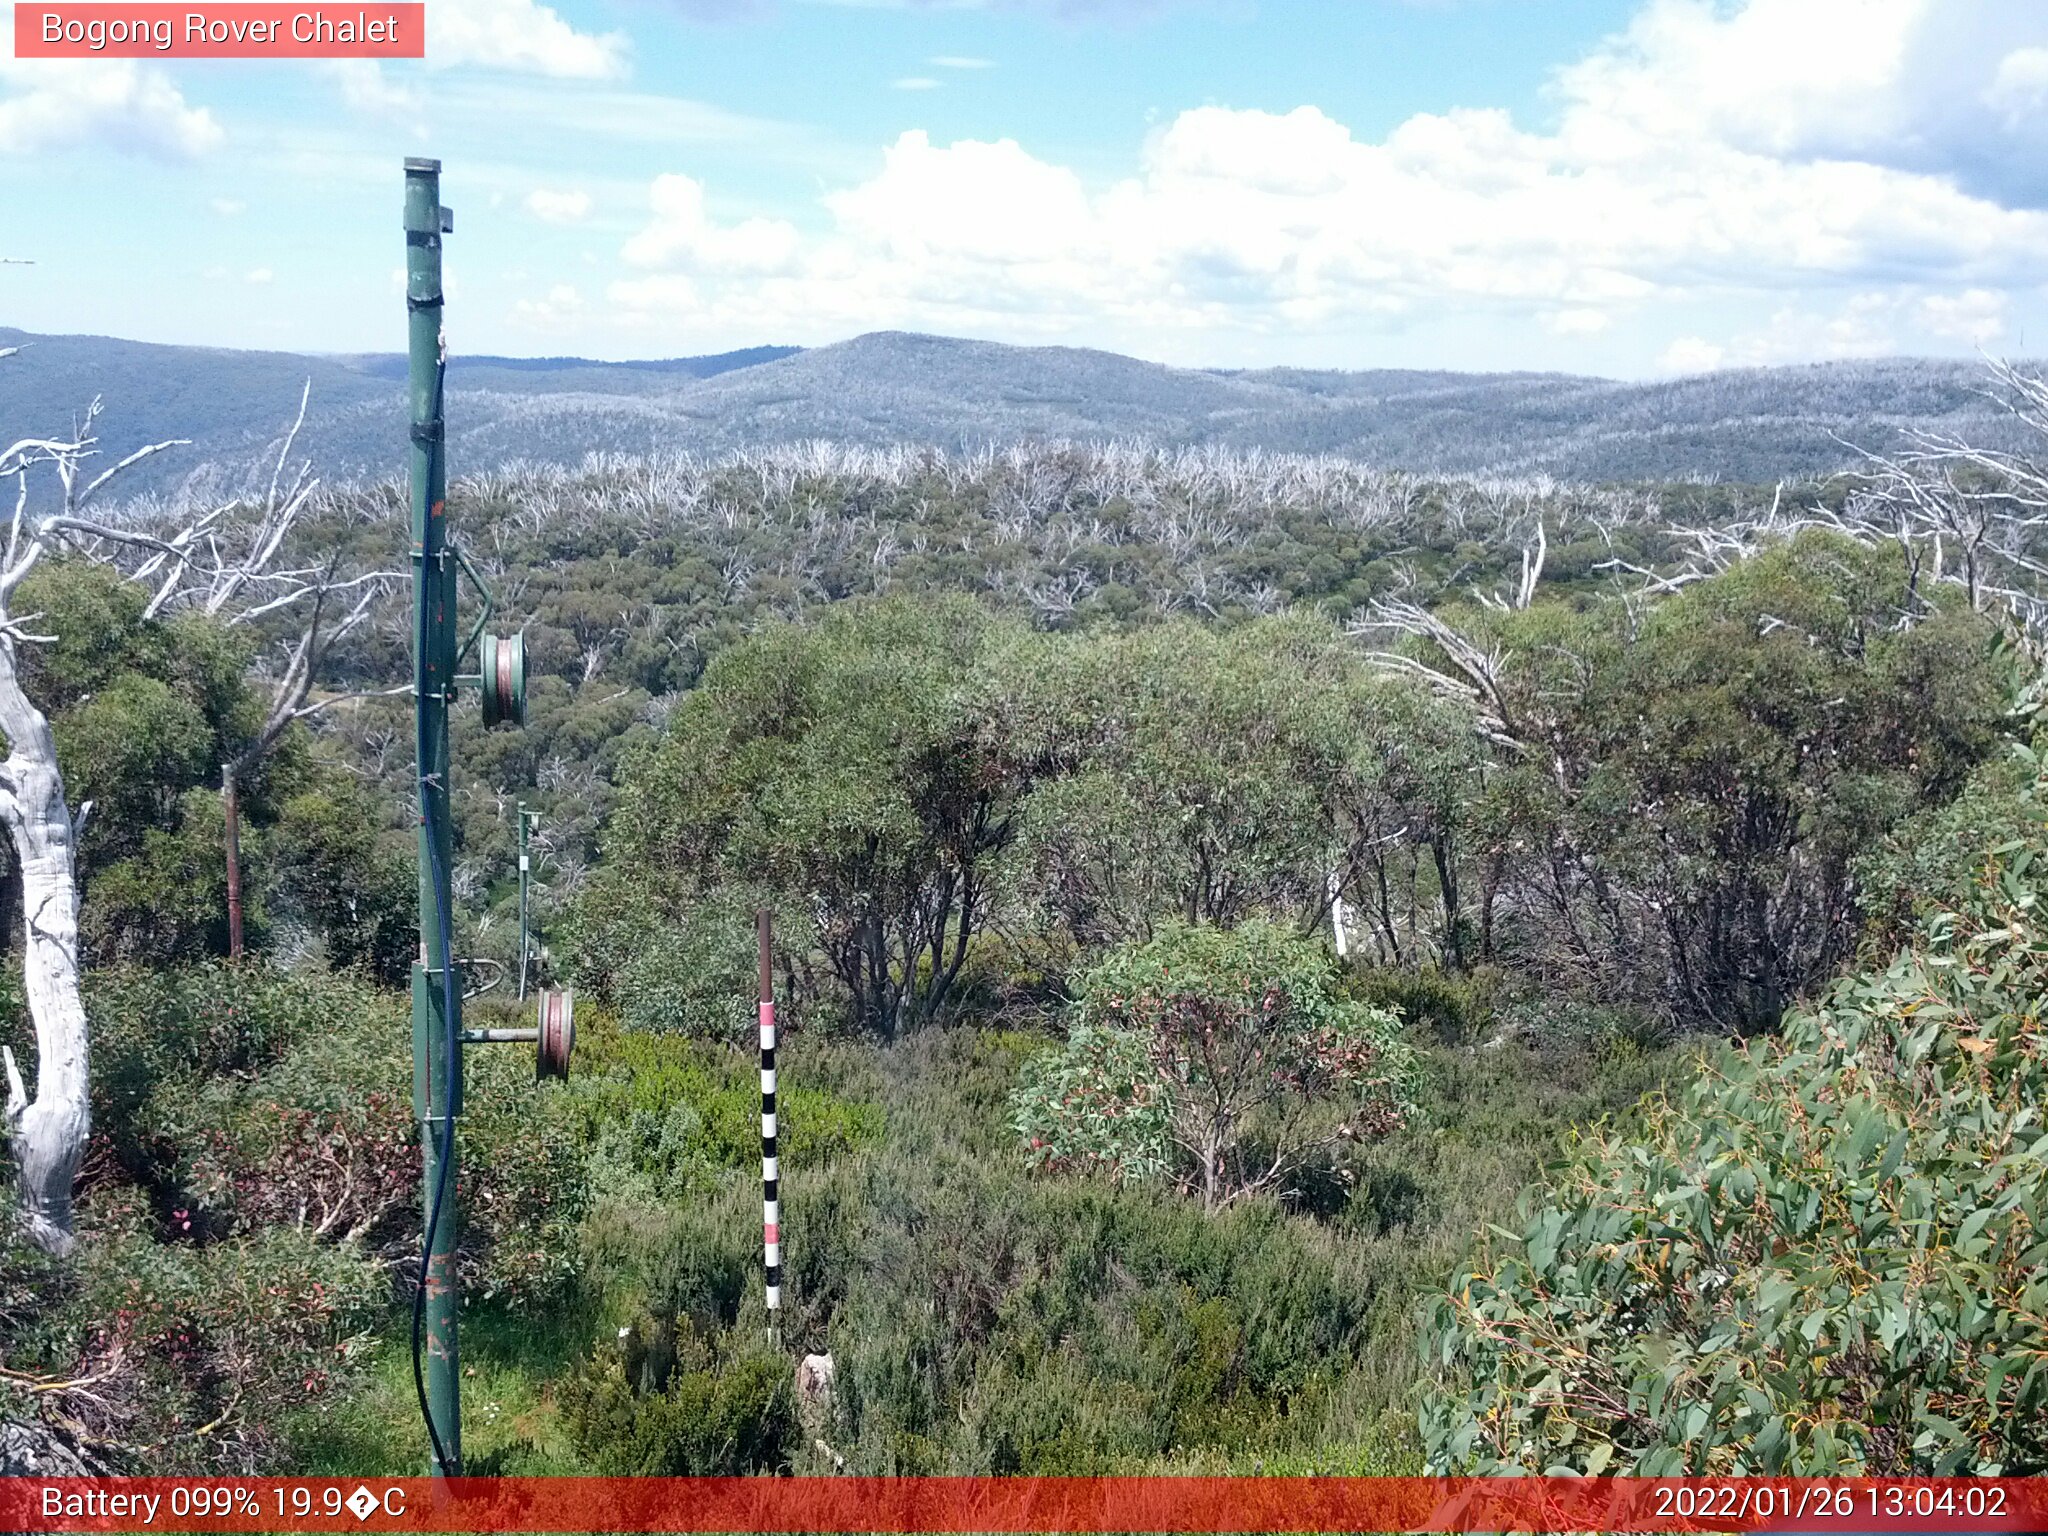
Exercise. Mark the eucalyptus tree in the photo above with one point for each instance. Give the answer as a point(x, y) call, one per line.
point(1681, 786)
point(842, 770)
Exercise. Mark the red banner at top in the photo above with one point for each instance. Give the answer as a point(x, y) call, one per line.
point(1006, 1504)
point(239, 29)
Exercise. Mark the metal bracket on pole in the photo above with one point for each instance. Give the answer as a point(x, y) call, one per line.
point(490, 603)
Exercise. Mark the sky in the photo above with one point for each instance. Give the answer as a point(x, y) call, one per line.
point(1636, 188)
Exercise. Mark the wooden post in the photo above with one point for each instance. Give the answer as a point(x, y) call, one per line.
point(231, 815)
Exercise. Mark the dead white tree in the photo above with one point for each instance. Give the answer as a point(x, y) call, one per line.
point(203, 562)
point(1972, 516)
point(239, 582)
point(1533, 557)
point(47, 1131)
point(1477, 673)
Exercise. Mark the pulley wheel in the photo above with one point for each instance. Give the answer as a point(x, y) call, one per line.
point(557, 1032)
point(504, 679)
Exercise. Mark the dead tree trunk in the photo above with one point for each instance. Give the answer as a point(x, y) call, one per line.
point(49, 1131)
point(189, 566)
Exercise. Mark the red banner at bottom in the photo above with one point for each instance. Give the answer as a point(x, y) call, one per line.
point(1006, 1504)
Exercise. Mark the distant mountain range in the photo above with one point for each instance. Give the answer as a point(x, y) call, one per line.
point(889, 387)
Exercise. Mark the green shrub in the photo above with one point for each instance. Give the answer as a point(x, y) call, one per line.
point(165, 1031)
point(1455, 1009)
point(205, 1350)
point(1097, 1105)
point(327, 869)
point(1932, 861)
point(252, 1100)
point(665, 1115)
point(706, 1410)
point(1226, 1056)
point(1825, 1258)
point(1069, 1327)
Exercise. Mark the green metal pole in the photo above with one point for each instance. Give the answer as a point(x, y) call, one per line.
point(525, 947)
point(437, 1091)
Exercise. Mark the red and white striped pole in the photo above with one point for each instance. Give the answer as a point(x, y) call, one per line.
point(771, 1222)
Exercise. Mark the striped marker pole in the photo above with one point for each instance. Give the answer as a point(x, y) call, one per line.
point(771, 1222)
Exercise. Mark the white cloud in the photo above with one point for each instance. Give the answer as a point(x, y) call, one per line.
point(365, 88)
point(2019, 88)
point(1697, 162)
point(228, 207)
point(1576, 322)
point(646, 298)
point(536, 123)
point(1977, 315)
point(1872, 323)
point(1746, 78)
point(972, 201)
point(552, 207)
point(49, 104)
point(562, 306)
point(682, 234)
point(520, 35)
point(1690, 354)
point(258, 276)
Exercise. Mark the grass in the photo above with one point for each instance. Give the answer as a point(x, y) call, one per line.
point(986, 1320)
point(510, 1425)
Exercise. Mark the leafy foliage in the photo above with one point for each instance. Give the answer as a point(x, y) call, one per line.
point(1136, 814)
point(1096, 1104)
point(1689, 787)
point(840, 767)
point(145, 711)
point(1228, 1056)
point(1825, 1258)
point(662, 1116)
point(700, 1410)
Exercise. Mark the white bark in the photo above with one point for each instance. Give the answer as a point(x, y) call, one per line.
point(48, 1132)
point(184, 566)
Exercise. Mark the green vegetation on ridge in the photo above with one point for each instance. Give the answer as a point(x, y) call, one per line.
point(1052, 769)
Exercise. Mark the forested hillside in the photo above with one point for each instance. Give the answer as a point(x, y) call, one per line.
point(886, 390)
point(1066, 773)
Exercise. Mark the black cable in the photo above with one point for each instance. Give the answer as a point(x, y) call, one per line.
point(445, 1134)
